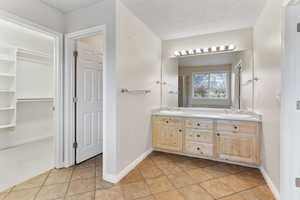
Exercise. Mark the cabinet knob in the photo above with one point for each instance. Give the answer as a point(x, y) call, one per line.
point(167, 122)
point(180, 130)
point(198, 135)
point(198, 148)
point(218, 134)
point(235, 127)
point(198, 124)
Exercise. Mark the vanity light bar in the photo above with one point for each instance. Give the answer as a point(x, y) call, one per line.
point(213, 49)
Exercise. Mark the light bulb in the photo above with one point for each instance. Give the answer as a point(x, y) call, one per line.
point(191, 52)
point(183, 53)
point(177, 53)
point(231, 47)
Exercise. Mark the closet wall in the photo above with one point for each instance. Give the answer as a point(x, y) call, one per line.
point(27, 87)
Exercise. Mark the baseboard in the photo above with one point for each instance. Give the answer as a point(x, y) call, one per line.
point(270, 183)
point(24, 142)
point(116, 178)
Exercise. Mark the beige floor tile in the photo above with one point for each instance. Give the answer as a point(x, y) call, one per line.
point(181, 179)
point(200, 175)
point(216, 171)
point(170, 195)
point(217, 189)
point(26, 194)
point(84, 196)
point(187, 165)
point(147, 198)
point(99, 171)
point(133, 176)
point(32, 183)
point(233, 169)
point(195, 192)
point(170, 168)
point(114, 193)
point(236, 183)
point(102, 184)
point(81, 186)
point(52, 192)
point(84, 173)
point(2, 195)
point(88, 163)
point(233, 197)
point(258, 193)
point(159, 184)
point(58, 177)
point(135, 190)
point(151, 172)
point(250, 179)
point(146, 163)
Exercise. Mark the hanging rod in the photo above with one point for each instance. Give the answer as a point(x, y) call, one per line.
point(125, 90)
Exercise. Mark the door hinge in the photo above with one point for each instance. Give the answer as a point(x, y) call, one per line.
point(75, 53)
point(75, 145)
point(75, 100)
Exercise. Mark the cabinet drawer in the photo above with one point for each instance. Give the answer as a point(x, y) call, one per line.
point(198, 123)
point(169, 121)
point(196, 135)
point(198, 148)
point(236, 126)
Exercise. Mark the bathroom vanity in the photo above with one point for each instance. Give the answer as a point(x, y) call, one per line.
point(209, 133)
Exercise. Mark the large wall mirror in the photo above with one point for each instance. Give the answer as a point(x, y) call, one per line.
point(221, 80)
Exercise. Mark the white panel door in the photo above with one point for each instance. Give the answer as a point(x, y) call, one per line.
point(89, 104)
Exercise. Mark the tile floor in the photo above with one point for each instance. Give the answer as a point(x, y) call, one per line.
point(159, 177)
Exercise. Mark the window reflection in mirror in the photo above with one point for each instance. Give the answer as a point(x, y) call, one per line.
point(214, 81)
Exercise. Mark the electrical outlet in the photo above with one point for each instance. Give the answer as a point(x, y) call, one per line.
point(298, 105)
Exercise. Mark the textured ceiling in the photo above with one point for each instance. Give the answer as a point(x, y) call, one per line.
point(66, 6)
point(181, 18)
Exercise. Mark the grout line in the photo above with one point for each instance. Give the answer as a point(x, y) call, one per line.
point(41, 186)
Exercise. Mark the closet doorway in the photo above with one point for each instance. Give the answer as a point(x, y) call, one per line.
point(84, 95)
point(30, 107)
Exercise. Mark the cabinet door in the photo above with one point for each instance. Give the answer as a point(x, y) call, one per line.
point(167, 138)
point(237, 147)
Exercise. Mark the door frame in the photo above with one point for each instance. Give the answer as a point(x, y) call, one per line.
point(58, 79)
point(69, 123)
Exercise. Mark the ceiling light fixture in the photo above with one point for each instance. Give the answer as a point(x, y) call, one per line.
point(191, 52)
point(206, 50)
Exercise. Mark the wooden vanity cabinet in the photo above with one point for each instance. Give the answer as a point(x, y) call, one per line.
point(232, 141)
point(167, 134)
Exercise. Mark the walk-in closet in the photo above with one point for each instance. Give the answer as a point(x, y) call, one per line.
point(27, 96)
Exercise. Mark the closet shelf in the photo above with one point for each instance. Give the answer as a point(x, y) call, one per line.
point(6, 58)
point(7, 91)
point(39, 99)
point(7, 108)
point(7, 75)
point(7, 126)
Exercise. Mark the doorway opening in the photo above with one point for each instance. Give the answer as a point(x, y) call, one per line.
point(30, 100)
point(84, 96)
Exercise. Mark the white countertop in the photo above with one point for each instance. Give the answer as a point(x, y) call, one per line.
point(220, 114)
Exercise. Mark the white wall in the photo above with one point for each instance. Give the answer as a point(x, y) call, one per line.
point(139, 65)
point(103, 13)
point(241, 38)
point(267, 62)
point(34, 11)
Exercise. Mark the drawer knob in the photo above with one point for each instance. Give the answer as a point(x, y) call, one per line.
point(180, 130)
point(198, 135)
point(198, 124)
point(198, 149)
point(235, 127)
point(218, 134)
point(167, 122)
